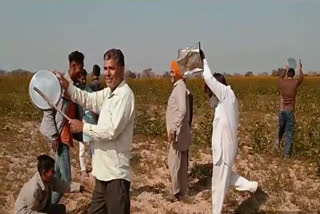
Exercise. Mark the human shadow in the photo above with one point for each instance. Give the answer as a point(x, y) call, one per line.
point(253, 203)
point(202, 173)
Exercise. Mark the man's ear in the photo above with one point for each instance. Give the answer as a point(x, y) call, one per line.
point(122, 70)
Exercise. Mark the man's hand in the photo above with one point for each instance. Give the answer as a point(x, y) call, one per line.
point(300, 65)
point(63, 81)
point(87, 184)
point(54, 145)
point(76, 126)
point(202, 56)
point(172, 136)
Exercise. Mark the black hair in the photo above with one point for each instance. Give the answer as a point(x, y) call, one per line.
point(291, 72)
point(84, 72)
point(45, 163)
point(76, 56)
point(220, 78)
point(96, 70)
point(115, 54)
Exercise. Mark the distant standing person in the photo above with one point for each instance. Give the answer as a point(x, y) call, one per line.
point(96, 84)
point(179, 133)
point(288, 90)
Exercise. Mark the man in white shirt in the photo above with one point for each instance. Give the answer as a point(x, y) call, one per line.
point(112, 135)
point(224, 139)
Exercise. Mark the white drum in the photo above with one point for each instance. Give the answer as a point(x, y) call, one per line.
point(49, 84)
point(292, 63)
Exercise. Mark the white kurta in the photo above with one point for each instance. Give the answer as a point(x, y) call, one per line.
point(224, 142)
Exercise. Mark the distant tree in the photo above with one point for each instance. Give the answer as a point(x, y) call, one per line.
point(166, 74)
point(277, 72)
point(129, 75)
point(249, 74)
point(264, 74)
point(237, 74)
point(20, 72)
point(2, 72)
point(312, 73)
point(226, 74)
point(147, 73)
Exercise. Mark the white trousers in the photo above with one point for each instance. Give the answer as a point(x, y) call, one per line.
point(82, 154)
point(222, 178)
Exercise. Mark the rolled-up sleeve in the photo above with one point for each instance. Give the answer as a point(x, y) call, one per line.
point(48, 126)
point(118, 116)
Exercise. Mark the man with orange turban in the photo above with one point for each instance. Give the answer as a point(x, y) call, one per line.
point(179, 132)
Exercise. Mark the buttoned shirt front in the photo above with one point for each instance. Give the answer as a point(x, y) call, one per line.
point(112, 135)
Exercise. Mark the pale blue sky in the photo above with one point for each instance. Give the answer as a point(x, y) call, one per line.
point(236, 36)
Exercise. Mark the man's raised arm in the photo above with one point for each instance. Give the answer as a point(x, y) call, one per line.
point(301, 75)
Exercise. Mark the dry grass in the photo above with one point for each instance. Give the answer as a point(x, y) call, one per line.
point(290, 185)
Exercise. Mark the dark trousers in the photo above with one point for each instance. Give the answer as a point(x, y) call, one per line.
point(62, 168)
point(110, 197)
point(56, 209)
point(286, 125)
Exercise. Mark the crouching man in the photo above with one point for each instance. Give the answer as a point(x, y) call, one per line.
point(35, 195)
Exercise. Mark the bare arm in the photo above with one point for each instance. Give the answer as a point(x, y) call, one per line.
point(301, 76)
point(283, 73)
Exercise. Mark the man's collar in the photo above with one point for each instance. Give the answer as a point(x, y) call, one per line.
point(117, 88)
point(176, 83)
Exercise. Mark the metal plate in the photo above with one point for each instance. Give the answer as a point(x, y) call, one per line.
point(292, 63)
point(189, 60)
point(49, 84)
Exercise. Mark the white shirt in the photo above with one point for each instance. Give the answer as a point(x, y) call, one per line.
point(112, 135)
point(226, 118)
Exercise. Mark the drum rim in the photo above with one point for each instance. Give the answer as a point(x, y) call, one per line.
point(30, 89)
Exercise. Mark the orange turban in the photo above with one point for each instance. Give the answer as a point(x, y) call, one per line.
point(175, 68)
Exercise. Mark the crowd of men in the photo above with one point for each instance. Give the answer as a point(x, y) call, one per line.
point(104, 119)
